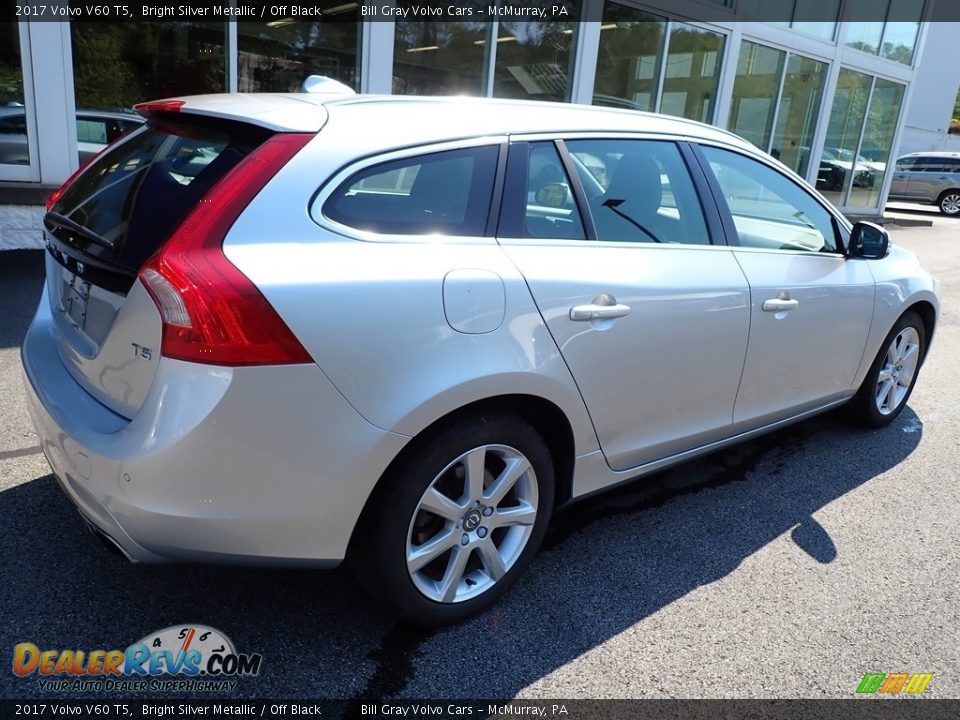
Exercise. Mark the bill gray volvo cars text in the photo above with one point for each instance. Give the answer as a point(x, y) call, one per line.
point(303, 329)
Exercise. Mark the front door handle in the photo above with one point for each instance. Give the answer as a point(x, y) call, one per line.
point(603, 307)
point(776, 305)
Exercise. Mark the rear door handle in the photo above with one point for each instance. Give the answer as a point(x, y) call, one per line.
point(603, 307)
point(776, 305)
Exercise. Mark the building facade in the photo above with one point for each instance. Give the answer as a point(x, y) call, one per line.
point(826, 86)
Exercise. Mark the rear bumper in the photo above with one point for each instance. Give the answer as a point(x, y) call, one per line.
point(266, 465)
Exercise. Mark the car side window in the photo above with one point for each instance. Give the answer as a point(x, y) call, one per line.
point(91, 131)
point(639, 191)
point(770, 211)
point(906, 164)
point(447, 193)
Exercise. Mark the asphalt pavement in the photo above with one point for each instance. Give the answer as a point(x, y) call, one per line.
point(785, 567)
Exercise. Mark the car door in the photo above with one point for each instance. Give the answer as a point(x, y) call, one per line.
point(900, 184)
point(651, 318)
point(931, 177)
point(811, 307)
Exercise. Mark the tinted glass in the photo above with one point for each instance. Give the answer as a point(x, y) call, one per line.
point(628, 64)
point(799, 109)
point(639, 191)
point(549, 209)
point(692, 72)
point(13, 120)
point(118, 64)
point(769, 210)
point(439, 58)
point(136, 194)
point(755, 92)
point(885, 104)
point(278, 55)
point(534, 58)
point(447, 193)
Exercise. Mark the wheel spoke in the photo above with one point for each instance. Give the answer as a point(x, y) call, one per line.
point(424, 554)
point(439, 504)
point(883, 393)
point(454, 573)
point(523, 514)
point(909, 354)
point(473, 465)
point(492, 560)
point(515, 468)
point(885, 374)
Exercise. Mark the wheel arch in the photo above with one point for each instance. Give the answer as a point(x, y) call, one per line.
point(544, 415)
point(928, 315)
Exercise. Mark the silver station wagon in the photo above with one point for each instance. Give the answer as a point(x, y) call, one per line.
point(303, 329)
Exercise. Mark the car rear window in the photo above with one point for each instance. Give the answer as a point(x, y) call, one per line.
point(448, 193)
point(135, 194)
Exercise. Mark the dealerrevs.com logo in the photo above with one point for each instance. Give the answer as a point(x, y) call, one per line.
point(180, 658)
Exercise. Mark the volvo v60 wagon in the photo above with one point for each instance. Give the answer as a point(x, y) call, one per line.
point(303, 329)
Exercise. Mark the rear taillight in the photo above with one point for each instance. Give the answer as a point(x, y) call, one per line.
point(212, 313)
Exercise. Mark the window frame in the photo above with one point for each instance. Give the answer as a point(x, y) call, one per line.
point(841, 226)
point(333, 182)
point(509, 219)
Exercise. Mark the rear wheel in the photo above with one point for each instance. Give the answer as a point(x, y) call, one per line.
point(891, 378)
point(949, 202)
point(458, 521)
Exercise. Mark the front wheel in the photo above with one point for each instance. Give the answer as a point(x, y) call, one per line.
point(456, 523)
point(950, 203)
point(891, 378)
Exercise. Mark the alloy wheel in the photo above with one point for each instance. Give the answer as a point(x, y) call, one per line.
point(950, 204)
point(898, 370)
point(472, 523)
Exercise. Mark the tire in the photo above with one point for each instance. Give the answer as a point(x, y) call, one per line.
point(949, 203)
point(893, 375)
point(437, 552)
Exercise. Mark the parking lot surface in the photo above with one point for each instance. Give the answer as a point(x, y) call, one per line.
point(785, 567)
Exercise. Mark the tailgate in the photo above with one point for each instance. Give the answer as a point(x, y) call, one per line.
point(103, 227)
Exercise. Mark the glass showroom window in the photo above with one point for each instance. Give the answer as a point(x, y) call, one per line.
point(145, 61)
point(691, 72)
point(859, 136)
point(14, 149)
point(800, 100)
point(813, 17)
point(439, 58)
point(629, 59)
point(754, 101)
point(776, 99)
point(277, 56)
point(534, 58)
point(885, 103)
point(649, 63)
point(885, 27)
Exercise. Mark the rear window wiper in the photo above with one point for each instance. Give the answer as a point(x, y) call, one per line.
point(53, 219)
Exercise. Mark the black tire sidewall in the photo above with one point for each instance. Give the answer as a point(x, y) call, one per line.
point(380, 562)
point(943, 197)
point(864, 404)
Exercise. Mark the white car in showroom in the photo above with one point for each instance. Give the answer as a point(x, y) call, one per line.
point(303, 329)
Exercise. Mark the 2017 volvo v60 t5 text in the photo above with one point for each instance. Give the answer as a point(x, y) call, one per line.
point(400, 331)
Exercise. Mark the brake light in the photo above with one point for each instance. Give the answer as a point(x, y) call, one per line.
point(212, 313)
point(159, 106)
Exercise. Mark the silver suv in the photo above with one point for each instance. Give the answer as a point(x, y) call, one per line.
point(296, 329)
point(931, 178)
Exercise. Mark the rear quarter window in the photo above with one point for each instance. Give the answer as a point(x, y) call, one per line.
point(447, 193)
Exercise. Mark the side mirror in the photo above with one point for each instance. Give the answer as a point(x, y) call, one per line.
point(868, 241)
